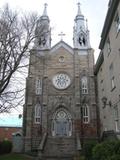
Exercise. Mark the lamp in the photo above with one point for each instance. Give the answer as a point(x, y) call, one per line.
point(104, 100)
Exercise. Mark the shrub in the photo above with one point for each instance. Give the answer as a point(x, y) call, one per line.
point(82, 158)
point(5, 147)
point(115, 157)
point(0, 147)
point(104, 150)
point(117, 147)
point(87, 149)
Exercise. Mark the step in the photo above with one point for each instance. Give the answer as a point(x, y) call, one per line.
point(57, 158)
point(59, 147)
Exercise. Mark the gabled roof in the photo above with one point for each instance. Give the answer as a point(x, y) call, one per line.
point(62, 44)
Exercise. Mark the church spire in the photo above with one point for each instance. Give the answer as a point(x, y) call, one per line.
point(45, 10)
point(79, 9)
point(45, 15)
point(80, 33)
point(43, 32)
point(79, 19)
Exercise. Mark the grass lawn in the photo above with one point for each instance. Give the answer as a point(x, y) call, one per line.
point(15, 157)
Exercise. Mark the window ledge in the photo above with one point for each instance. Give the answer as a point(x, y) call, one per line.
point(85, 93)
point(86, 122)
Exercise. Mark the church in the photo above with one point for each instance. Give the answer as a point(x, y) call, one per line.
point(60, 111)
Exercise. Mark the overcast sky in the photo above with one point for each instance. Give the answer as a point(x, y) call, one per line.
point(62, 14)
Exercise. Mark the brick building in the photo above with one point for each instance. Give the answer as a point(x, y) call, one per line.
point(7, 131)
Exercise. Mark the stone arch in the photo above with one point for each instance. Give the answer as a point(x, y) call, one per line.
point(61, 102)
point(61, 123)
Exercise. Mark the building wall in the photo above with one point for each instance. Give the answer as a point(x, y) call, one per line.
point(6, 132)
point(67, 115)
point(110, 67)
point(75, 65)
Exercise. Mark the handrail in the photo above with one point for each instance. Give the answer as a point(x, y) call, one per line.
point(78, 142)
point(41, 146)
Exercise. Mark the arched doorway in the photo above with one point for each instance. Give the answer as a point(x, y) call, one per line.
point(61, 123)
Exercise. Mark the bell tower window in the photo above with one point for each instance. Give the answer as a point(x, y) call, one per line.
point(82, 40)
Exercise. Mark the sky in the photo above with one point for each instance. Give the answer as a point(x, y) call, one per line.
point(62, 14)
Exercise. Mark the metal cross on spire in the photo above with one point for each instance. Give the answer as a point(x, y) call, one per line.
point(78, 3)
point(61, 34)
point(45, 9)
point(79, 10)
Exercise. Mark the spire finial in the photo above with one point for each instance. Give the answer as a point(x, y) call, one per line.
point(79, 10)
point(45, 9)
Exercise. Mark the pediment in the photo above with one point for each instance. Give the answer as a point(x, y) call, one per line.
point(63, 45)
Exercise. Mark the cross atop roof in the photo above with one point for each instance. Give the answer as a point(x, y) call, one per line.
point(61, 34)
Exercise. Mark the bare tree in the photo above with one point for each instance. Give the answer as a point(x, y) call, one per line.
point(16, 39)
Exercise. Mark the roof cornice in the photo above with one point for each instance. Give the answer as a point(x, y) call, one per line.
point(108, 21)
point(99, 62)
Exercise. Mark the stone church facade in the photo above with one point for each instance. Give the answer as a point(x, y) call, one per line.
point(60, 111)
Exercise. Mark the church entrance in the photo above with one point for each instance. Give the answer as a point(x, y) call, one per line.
point(62, 124)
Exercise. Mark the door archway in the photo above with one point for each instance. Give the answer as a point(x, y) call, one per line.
point(61, 123)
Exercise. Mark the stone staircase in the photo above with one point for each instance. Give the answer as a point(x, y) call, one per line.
point(58, 148)
point(35, 143)
point(57, 158)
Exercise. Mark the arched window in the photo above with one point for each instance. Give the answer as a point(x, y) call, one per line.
point(37, 113)
point(85, 113)
point(61, 124)
point(84, 85)
point(38, 86)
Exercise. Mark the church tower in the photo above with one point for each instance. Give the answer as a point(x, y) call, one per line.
point(60, 107)
point(81, 33)
point(42, 32)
